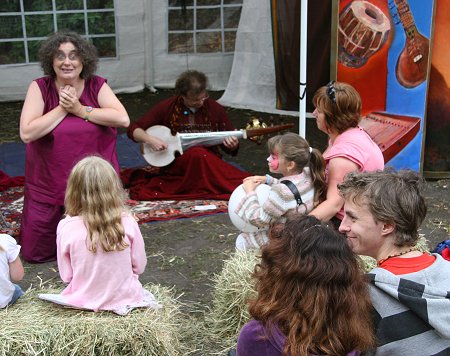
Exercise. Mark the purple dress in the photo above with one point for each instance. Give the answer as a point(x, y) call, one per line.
point(255, 340)
point(49, 161)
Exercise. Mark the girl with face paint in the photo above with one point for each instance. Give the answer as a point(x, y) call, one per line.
point(273, 162)
point(294, 160)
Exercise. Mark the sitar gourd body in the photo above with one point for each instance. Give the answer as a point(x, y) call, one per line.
point(179, 142)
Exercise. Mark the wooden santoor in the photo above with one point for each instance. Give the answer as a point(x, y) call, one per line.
point(390, 132)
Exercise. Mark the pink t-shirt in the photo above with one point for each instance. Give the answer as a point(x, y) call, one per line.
point(357, 146)
point(101, 280)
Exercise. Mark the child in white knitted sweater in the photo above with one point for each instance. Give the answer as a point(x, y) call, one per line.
point(293, 158)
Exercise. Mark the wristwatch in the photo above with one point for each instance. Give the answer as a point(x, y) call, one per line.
point(88, 112)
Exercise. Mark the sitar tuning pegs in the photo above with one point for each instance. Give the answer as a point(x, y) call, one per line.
point(255, 123)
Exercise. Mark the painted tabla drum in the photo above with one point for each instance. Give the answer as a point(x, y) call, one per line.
point(363, 30)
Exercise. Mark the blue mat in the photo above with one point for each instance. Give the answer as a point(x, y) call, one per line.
point(12, 156)
point(12, 159)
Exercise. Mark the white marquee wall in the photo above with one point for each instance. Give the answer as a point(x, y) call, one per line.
point(141, 27)
point(252, 79)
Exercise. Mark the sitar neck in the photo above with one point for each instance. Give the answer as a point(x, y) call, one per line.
point(192, 139)
point(180, 142)
point(406, 18)
point(207, 139)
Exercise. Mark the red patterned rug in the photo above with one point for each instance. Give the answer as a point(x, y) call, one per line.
point(11, 203)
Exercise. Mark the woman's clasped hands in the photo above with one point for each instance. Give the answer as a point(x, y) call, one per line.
point(68, 99)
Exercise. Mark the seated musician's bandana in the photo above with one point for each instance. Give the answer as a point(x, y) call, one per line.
point(273, 161)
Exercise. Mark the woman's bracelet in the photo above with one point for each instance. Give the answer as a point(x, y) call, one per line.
point(88, 110)
point(268, 179)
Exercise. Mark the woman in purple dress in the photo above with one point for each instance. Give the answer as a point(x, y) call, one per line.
point(312, 296)
point(67, 115)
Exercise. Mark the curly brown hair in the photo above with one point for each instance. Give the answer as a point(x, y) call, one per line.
point(191, 80)
point(341, 104)
point(311, 287)
point(86, 51)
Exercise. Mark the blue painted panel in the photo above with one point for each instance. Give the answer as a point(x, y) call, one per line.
point(408, 101)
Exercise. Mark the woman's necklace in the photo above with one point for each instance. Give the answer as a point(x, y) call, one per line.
point(380, 262)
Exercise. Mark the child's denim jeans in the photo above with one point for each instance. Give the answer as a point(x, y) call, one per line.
point(18, 292)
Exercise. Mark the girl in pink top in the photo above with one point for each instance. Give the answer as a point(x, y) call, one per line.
point(100, 248)
point(350, 148)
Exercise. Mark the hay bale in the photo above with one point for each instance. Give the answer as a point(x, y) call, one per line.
point(35, 327)
point(233, 287)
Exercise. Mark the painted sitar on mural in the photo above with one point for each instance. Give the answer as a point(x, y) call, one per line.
point(412, 64)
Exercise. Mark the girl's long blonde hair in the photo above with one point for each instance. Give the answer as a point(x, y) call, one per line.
point(95, 193)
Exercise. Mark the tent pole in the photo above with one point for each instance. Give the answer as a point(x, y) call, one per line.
point(303, 58)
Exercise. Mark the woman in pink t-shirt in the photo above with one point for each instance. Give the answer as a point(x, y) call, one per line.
point(350, 148)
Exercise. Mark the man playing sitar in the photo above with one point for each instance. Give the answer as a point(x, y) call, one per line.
point(199, 173)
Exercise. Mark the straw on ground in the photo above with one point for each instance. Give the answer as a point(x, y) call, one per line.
point(36, 327)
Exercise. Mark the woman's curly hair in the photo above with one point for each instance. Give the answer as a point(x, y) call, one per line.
point(311, 287)
point(86, 51)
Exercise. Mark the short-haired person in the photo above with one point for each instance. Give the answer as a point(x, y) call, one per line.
point(350, 148)
point(410, 290)
point(199, 173)
point(312, 296)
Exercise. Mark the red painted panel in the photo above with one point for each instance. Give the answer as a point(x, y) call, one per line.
point(370, 21)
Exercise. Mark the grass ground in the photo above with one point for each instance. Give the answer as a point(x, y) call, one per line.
point(187, 253)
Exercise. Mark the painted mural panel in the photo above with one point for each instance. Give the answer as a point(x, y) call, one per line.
point(364, 36)
point(383, 49)
point(437, 141)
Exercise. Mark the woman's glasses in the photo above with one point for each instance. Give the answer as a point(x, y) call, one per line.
point(331, 91)
point(61, 56)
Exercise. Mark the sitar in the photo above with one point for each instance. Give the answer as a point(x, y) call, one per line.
point(180, 142)
point(412, 64)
